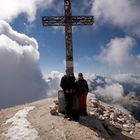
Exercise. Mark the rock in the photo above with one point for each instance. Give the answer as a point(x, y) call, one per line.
point(99, 111)
point(111, 110)
point(120, 119)
point(56, 102)
point(113, 116)
point(91, 113)
point(53, 110)
point(128, 121)
point(131, 132)
point(106, 114)
point(102, 118)
point(137, 125)
point(95, 103)
point(125, 125)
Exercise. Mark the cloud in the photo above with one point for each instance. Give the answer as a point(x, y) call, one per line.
point(20, 77)
point(115, 87)
point(117, 51)
point(118, 54)
point(11, 9)
point(124, 14)
point(127, 78)
point(112, 92)
point(53, 83)
point(7, 30)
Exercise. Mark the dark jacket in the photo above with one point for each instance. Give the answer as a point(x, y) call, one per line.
point(68, 83)
point(82, 86)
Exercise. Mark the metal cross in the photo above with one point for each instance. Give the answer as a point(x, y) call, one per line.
point(68, 21)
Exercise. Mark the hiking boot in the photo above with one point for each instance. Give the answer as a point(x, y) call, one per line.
point(66, 116)
point(70, 119)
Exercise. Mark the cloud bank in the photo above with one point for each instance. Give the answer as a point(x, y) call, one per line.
point(20, 77)
point(127, 78)
point(123, 14)
point(11, 9)
point(118, 53)
point(53, 83)
point(111, 92)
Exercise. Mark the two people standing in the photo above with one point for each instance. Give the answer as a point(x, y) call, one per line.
point(75, 92)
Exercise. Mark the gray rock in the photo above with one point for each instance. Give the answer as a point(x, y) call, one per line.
point(137, 125)
point(53, 110)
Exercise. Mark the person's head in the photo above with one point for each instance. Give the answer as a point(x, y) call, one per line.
point(80, 76)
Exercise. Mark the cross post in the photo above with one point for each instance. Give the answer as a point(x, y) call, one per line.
point(68, 21)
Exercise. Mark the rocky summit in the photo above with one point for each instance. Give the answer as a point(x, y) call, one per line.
point(41, 121)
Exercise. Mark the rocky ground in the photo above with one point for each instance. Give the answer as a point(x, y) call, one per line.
point(103, 122)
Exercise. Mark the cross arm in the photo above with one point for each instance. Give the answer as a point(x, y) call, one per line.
point(61, 21)
point(82, 20)
point(53, 21)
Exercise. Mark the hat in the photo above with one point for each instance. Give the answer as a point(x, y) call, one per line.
point(80, 74)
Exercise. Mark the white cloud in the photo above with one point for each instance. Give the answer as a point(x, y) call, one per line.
point(53, 83)
point(114, 91)
point(118, 52)
point(127, 78)
point(10, 9)
point(20, 78)
point(6, 29)
point(124, 14)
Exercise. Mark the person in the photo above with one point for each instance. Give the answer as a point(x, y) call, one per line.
point(83, 89)
point(68, 85)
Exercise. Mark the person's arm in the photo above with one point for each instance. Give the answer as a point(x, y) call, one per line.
point(76, 88)
point(62, 83)
point(86, 85)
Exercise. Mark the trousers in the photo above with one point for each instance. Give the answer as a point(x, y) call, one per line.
point(69, 103)
point(82, 103)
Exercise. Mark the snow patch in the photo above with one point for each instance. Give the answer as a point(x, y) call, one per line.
point(21, 128)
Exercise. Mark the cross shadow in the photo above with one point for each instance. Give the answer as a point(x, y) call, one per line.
point(103, 128)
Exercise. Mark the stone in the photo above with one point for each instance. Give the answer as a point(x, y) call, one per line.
point(56, 102)
point(95, 104)
point(137, 125)
point(120, 119)
point(61, 102)
point(131, 132)
point(91, 113)
point(100, 111)
point(53, 110)
point(128, 121)
point(112, 116)
point(125, 125)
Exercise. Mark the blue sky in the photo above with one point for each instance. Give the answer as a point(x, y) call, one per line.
point(95, 47)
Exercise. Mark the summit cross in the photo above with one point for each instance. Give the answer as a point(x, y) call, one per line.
point(68, 21)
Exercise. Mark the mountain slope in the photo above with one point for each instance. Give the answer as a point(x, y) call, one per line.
point(98, 125)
